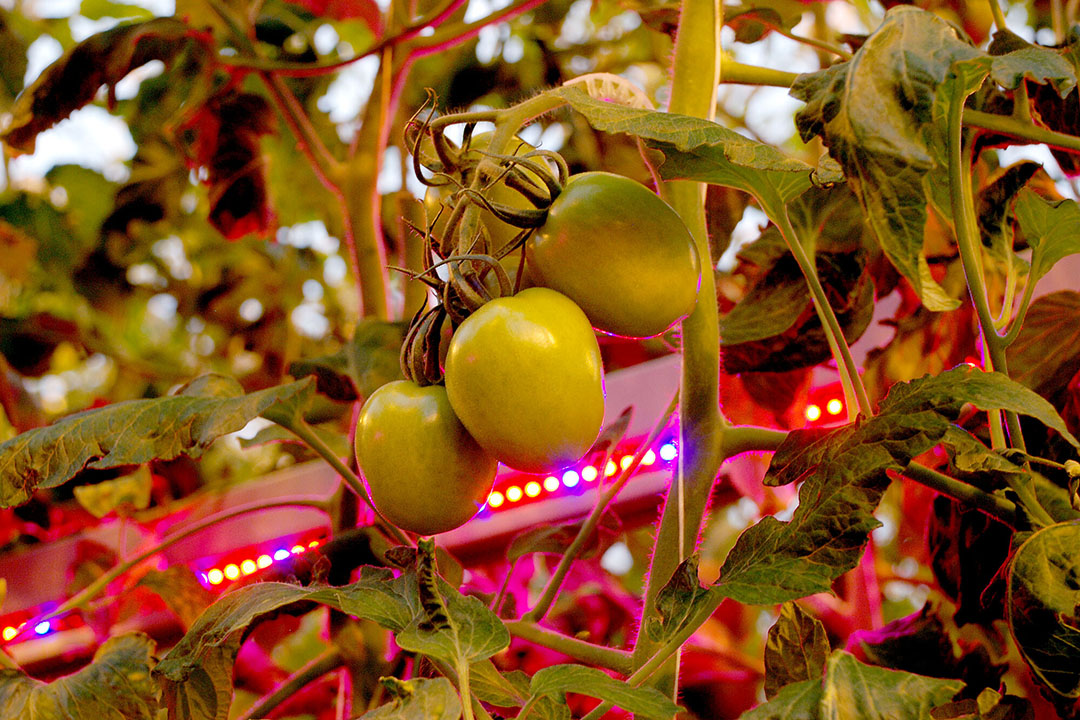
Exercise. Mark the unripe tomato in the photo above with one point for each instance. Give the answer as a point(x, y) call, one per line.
point(620, 252)
point(425, 472)
point(524, 375)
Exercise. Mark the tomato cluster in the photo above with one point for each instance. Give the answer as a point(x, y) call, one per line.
point(522, 378)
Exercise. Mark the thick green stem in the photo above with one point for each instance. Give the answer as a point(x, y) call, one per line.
point(736, 72)
point(696, 69)
point(844, 361)
point(617, 660)
point(1007, 125)
point(327, 662)
point(996, 507)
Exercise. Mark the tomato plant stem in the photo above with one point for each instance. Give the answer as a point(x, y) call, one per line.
point(996, 507)
point(696, 71)
point(322, 664)
point(844, 361)
point(736, 72)
point(1008, 125)
point(611, 658)
point(963, 212)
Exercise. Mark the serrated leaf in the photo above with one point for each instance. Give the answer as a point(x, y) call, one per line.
point(843, 474)
point(796, 649)
point(795, 701)
point(644, 702)
point(196, 674)
point(181, 591)
point(132, 491)
point(131, 433)
point(1052, 230)
point(451, 627)
point(700, 150)
point(679, 601)
point(1044, 605)
point(1046, 353)
point(116, 685)
point(74, 79)
point(855, 691)
point(367, 362)
point(425, 699)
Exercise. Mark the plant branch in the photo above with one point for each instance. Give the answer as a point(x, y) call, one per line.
point(736, 72)
point(611, 658)
point(551, 590)
point(996, 507)
point(845, 362)
point(1008, 125)
point(445, 37)
point(308, 140)
point(324, 663)
point(696, 71)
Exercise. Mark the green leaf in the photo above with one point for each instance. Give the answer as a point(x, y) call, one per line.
point(420, 699)
point(1044, 605)
point(501, 689)
point(452, 627)
point(795, 650)
point(101, 59)
point(196, 674)
point(367, 362)
point(700, 150)
point(132, 491)
point(874, 114)
point(644, 702)
point(795, 701)
point(116, 685)
point(97, 9)
point(1052, 230)
point(855, 691)
point(1046, 353)
point(131, 433)
point(843, 474)
point(679, 601)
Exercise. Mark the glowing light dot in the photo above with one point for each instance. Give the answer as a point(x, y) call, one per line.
point(264, 561)
point(313, 544)
point(551, 483)
point(588, 473)
point(649, 459)
point(297, 549)
point(496, 499)
point(570, 478)
point(513, 493)
point(625, 462)
point(232, 571)
point(43, 628)
point(215, 576)
point(532, 488)
point(813, 412)
point(611, 468)
point(248, 566)
point(668, 452)
point(281, 554)
point(834, 407)
point(10, 632)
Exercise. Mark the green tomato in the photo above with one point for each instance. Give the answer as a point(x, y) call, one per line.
point(620, 252)
point(424, 471)
point(524, 375)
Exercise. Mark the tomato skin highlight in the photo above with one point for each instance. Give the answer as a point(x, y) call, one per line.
point(425, 473)
point(525, 377)
point(620, 252)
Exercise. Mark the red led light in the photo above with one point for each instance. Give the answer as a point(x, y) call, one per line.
point(813, 412)
point(215, 577)
point(834, 406)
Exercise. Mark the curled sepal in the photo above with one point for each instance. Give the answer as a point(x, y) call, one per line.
point(420, 350)
point(518, 217)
